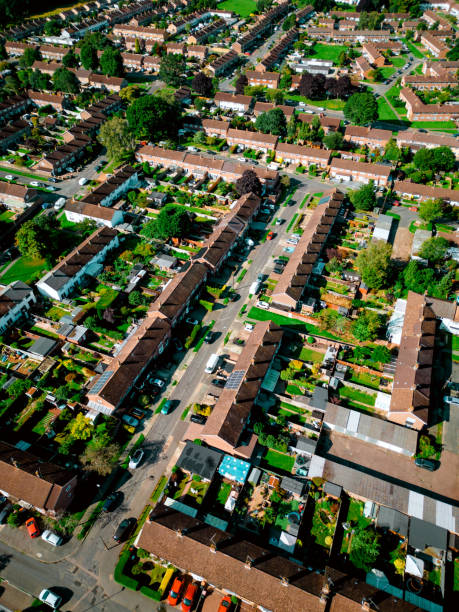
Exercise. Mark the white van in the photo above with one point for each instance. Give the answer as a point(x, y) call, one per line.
point(212, 363)
point(83, 180)
point(254, 288)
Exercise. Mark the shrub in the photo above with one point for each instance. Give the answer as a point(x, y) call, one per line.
point(120, 578)
point(156, 595)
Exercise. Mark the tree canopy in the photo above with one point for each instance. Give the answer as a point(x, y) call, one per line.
point(111, 62)
point(173, 221)
point(88, 56)
point(66, 81)
point(248, 182)
point(438, 159)
point(374, 264)
point(364, 198)
point(272, 122)
point(116, 137)
point(171, 70)
point(361, 108)
point(333, 140)
point(35, 237)
point(153, 118)
point(367, 326)
point(434, 249)
point(202, 84)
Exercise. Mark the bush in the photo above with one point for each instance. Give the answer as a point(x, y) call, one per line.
point(120, 578)
point(156, 595)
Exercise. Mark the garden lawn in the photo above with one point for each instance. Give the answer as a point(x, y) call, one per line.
point(6, 216)
point(387, 71)
point(327, 52)
point(223, 493)
point(22, 269)
point(385, 113)
point(333, 104)
point(398, 60)
point(308, 354)
point(264, 315)
point(434, 125)
point(242, 7)
point(414, 50)
point(368, 380)
point(279, 460)
point(357, 396)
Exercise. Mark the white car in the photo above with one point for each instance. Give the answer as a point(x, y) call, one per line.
point(292, 241)
point(51, 599)
point(9, 177)
point(51, 538)
point(263, 305)
point(136, 458)
point(35, 184)
point(249, 326)
point(158, 383)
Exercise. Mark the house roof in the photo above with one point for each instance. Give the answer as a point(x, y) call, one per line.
point(42, 346)
point(26, 477)
point(199, 460)
point(13, 294)
point(90, 210)
point(388, 518)
point(177, 292)
point(221, 96)
point(371, 169)
point(423, 534)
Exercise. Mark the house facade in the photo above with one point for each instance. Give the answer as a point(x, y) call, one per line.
point(16, 300)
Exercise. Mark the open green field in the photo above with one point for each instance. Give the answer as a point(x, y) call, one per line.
point(414, 50)
point(241, 7)
point(330, 104)
point(385, 113)
point(327, 52)
point(387, 71)
point(398, 60)
point(434, 125)
point(23, 269)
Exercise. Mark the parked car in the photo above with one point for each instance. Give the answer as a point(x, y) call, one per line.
point(136, 458)
point(218, 382)
point(9, 177)
point(189, 597)
point(124, 529)
point(35, 184)
point(288, 249)
point(174, 593)
point(279, 221)
point(5, 512)
point(198, 418)
point(130, 420)
point(191, 321)
point(249, 326)
point(32, 527)
point(51, 538)
point(158, 383)
point(263, 305)
point(427, 464)
point(225, 604)
point(168, 407)
point(178, 345)
point(210, 337)
point(137, 413)
point(270, 235)
point(50, 598)
point(112, 501)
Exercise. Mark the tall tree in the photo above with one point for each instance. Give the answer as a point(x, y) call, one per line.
point(28, 57)
point(70, 60)
point(434, 249)
point(153, 118)
point(116, 137)
point(333, 140)
point(172, 69)
point(272, 122)
point(361, 108)
point(241, 83)
point(111, 62)
point(374, 264)
point(88, 56)
point(364, 198)
point(66, 81)
point(431, 210)
point(172, 222)
point(248, 182)
point(202, 84)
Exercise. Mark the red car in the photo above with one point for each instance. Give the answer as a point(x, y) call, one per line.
point(32, 528)
point(189, 596)
point(174, 593)
point(225, 604)
point(270, 236)
point(396, 203)
point(413, 208)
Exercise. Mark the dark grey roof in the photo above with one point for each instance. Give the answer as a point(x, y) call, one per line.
point(389, 518)
point(292, 486)
point(42, 346)
point(333, 489)
point(423, 534)
point(199, 460)
point(319, 398)
point(306, 444)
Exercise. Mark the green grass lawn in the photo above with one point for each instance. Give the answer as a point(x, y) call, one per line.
point(368, 380)
point(263, 315)
point(385, 113)
point(387, 71)
point(223, 493)
point(358, 396)
point(434, 125)
point(398, 60)
point(242, 7)
point(6, 216)
point(308, 354)
point(330, 104)
point(414, 50)
point(23, 269)
point(279, 460)
point(327, 52)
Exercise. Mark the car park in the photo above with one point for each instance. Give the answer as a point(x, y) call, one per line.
point(174, 594)
point(124, 529)
point(189, 597)
point(51, 599)
point(136, 458)
point(51, 538)
point(32, 527)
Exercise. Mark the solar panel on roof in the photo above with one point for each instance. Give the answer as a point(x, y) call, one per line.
point(323, 200)
point(102, 380)
point(235, 379)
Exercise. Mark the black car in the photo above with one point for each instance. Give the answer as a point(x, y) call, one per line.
point(234, 297)
point(210, 337)
point(124, 529)
point(112, 501)
point(198, 418)
point(427, 464)
point(5, 512)
point(280, 262)
point(218, 382)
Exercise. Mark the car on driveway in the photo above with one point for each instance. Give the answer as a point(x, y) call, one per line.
point(189, 597)
point(51, 599)
point(32, 527)
point(130, 420)
point(427, 464)
point(288, 249)
point(225, 604)
point(174, 594)
point(112, 501)
point(218, 382)
point(5, 512)
point(263, 305)
point(191, 321)
point(158, 383)
point(136, 458)
point(51, 537)
point(249, 327)
point(124, 529)
point(200, 419)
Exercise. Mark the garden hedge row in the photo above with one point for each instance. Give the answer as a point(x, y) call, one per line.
point(152, 594)
point(120, 578)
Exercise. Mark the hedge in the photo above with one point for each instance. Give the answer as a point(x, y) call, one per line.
point(121, 578)
point(156, 595)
